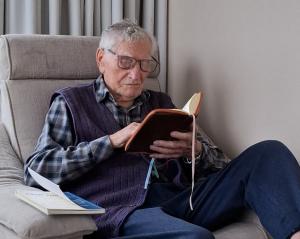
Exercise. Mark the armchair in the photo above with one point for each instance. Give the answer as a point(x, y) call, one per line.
point(32, 67)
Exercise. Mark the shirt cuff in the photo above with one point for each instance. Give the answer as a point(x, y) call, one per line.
point(101, 148)
point(198, 157)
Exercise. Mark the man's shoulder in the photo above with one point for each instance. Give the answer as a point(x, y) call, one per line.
point(66, 92)
point(160, 99)
point(74, 89)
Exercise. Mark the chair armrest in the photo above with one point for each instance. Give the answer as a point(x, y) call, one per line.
point(22, 220)
point(11, 168)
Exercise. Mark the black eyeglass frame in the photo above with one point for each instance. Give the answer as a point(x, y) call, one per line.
point(134, 61)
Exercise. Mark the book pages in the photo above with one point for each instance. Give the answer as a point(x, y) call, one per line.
point(47, 184)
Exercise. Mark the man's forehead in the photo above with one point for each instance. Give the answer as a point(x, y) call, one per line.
point(142, 47)
point(143, 43)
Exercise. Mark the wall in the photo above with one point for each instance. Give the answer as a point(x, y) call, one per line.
point(245, 57)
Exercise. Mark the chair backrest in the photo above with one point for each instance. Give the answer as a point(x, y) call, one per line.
point(32, 67)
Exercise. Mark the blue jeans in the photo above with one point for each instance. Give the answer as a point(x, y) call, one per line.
point(264, 178)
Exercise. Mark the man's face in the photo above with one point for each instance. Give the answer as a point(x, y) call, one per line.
point(124, 84)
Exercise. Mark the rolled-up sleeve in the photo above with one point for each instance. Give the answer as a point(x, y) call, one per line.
point(212, 157)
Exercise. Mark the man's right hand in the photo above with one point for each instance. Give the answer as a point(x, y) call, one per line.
point(119, 139)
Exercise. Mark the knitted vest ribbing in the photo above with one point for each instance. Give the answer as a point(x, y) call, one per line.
point(117, 183)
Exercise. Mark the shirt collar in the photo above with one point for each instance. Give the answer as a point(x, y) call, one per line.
point(101, 90)
point(102, 93)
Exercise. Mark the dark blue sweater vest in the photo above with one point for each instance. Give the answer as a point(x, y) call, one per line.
point(117, 183)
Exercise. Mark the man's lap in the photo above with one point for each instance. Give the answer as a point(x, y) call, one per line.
point(155, 223)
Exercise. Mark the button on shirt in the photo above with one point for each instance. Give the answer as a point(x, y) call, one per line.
point(58, 159)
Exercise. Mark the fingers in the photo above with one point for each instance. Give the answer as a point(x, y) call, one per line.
point(170, 149)
point(120, 138)
point(181, 146)
point(165, 156)
point(165, 150)
point(185, 136)
point(129, 129)
point(176, 144)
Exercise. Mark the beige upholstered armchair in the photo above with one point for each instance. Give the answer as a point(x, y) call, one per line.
point(31, 68)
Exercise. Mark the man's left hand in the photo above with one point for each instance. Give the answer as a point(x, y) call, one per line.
point(181, 146)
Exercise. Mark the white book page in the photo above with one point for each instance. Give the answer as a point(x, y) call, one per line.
point(191, 106)
point(186, 107)
point(47, 200)
point(47, 184)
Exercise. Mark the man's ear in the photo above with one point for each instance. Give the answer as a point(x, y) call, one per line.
point(99, 59)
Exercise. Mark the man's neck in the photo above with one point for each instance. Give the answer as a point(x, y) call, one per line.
point(123, 101)
point(125, 104)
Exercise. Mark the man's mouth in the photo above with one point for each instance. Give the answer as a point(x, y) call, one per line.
point(132, 84)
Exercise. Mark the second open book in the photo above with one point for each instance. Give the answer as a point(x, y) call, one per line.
point(54, 201)
point(159, 123)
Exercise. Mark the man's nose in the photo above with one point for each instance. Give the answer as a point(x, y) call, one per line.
point(136, 71)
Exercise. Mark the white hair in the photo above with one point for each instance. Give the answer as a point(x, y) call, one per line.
point(127, 31)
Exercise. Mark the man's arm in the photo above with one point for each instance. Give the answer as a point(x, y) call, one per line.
point(212, 157)
point(55, 156)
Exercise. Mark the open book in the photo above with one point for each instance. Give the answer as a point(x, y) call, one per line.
point(54, 201)
point(159, 123)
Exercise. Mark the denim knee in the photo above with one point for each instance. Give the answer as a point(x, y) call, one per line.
point(273, 149)
point(273, 156)
point(271, 145)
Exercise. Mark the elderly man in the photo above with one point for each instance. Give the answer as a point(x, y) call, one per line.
point(81, 148)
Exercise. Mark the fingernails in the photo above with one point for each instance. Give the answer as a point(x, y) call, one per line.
point(156, 142)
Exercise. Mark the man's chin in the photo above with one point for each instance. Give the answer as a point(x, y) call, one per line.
point(133, 94)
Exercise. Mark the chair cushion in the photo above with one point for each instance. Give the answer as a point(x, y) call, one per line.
point(244, 230)
point(8, 234)
point(48, 57)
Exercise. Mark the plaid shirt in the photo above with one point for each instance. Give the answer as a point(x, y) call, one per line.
point(58, 159)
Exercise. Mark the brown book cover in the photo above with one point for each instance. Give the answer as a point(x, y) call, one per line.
point(159, 123)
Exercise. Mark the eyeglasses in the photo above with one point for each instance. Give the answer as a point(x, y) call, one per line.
point(127, 62)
